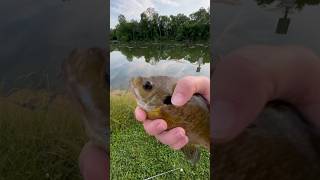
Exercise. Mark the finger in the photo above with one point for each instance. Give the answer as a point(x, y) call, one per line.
point(93, 162)
point(180, 144)
point(155, 127)
point(175, 138)
point(140, 114)
point(239, 96)
point(188, 86)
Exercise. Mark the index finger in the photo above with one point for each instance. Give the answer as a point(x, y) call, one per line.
point(140, 114)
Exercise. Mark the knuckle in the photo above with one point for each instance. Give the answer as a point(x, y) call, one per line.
point(186, 82)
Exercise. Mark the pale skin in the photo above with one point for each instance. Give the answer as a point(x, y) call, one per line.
point(244, 82)
point(93, 162)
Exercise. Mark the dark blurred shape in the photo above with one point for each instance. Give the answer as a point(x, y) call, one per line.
point(287, 5)
point(283, 23)
point(200, 61)
point(278, 145)
point(198, 68)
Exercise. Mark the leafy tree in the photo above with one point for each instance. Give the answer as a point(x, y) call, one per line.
point(154, 27)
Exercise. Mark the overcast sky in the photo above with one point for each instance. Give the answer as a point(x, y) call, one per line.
point(132, 9)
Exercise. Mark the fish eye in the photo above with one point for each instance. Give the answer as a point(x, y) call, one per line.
point(147, 86)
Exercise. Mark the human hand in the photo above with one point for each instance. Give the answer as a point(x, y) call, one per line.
point(247, 78)
point(175, 138)
point(93, 162)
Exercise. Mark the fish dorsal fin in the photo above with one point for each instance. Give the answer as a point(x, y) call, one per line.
point(192, 153)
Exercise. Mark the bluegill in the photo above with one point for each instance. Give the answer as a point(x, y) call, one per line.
point(153, 94)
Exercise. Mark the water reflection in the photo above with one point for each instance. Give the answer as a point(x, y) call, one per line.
point(175, 60)
point(288, 7)
point(255, 22)
point(296, 4)
point(37, 36)
point(156, 51)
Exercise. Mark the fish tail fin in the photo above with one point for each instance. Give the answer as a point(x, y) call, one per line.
point(192, 153)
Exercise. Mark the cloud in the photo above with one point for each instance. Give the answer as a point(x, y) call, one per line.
point(204, 3)
point(169, 2)
point(130, 8)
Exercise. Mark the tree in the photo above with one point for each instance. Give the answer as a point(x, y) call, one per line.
point(153, 26)
point(122, 19)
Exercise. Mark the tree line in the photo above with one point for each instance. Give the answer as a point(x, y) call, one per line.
point(155, 27)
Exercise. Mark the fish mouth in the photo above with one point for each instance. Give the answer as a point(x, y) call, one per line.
point(133, 86)
point(140, 103)
point(133, 83)
point(135, 80)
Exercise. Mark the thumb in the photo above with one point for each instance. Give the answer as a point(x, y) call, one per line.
point(188, 86)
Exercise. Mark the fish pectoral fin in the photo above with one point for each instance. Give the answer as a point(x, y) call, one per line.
point(192, 153)
point(154, 114)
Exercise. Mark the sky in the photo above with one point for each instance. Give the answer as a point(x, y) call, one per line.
point(132, 9)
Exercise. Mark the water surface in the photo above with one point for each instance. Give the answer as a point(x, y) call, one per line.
point(148, 59)
point(36, 36)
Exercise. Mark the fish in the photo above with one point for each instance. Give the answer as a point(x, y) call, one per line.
point(153, 94)
point(84, 74)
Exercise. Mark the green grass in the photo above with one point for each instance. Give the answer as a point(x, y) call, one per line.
point(39, 139)
point(135, 155)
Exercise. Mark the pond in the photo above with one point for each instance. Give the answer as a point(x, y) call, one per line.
point(276, 22)
point(147, 59)
point(36, 36)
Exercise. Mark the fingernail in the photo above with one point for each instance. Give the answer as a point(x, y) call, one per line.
point(181, 144)
point(178, 99)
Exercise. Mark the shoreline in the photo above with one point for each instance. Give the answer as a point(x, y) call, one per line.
point(161, 42)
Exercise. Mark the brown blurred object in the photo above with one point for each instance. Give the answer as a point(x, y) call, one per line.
point(277, 146)
point(84, 72)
